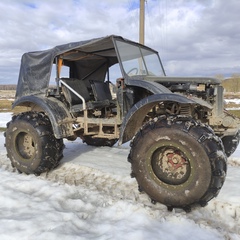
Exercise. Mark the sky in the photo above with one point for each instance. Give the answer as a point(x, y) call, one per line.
point(193, 37)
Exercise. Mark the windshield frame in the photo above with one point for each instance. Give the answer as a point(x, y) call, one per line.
point(136, 55)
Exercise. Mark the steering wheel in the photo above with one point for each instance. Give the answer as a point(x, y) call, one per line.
point(132, 70)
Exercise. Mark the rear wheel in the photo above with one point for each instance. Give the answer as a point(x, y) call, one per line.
point(178, 162)
point(89, 140)
point(231, 143)
point(31, 145)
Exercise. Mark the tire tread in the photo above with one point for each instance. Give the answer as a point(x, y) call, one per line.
point(205, 136)
point(53, 148)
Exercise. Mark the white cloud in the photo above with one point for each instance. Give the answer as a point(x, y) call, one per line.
point(194, 37)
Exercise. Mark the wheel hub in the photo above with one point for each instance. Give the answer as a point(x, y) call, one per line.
point(175, 161)
point(25, 145)
point(170, 165)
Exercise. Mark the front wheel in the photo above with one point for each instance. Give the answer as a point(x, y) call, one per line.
point(31, 145)
point(178, 162)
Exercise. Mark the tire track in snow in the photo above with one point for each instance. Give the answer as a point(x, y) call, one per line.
point(219, 215)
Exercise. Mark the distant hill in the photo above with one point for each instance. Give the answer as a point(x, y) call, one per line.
point(8, 87)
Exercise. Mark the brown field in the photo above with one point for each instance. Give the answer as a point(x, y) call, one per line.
point(6, 100)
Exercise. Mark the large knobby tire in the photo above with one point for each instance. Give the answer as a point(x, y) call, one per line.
point(230, 143)
point(178, 162)
point(31, 145)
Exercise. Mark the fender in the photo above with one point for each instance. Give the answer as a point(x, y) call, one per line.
point(153, 87)
point(135, 117)
point(54, 109)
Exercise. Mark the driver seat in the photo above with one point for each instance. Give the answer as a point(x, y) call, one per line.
point(74, 101)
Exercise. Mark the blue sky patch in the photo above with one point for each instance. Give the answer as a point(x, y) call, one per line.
point(135, 4)
point(30, 5)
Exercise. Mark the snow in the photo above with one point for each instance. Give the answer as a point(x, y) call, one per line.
point(233, 100)
point(4, 118)
point(91, 196)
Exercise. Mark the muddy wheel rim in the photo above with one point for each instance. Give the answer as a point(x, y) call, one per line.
point(25, 145)
point(164, 153)
point(170, 165)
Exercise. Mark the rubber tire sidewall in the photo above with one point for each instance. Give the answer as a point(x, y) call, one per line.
point(23, 165)
point(47, 151)
point(178, 195)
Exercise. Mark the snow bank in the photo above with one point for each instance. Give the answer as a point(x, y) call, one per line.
point(35, 209)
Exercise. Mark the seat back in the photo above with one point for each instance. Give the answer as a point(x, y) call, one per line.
point(77, 85)
point(101, 91)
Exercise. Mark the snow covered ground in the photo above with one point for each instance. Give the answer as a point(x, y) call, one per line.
point(91, 196)
point(232, 100)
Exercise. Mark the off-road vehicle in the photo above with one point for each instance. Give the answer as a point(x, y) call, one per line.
point(112, 89)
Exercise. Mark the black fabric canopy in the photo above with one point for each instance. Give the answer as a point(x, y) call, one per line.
point(86, 59)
